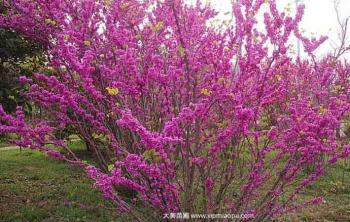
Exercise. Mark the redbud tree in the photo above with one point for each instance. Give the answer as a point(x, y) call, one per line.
point(188, 116)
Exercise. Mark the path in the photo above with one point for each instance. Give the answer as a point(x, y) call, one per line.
point(17, 147)
point(9, 148)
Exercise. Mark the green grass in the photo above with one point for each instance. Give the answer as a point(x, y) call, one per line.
point(78, 147)
point(334, 186)
point(2, 144)
point(36, 188)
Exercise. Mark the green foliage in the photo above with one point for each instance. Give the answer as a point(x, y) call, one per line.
point(37, 188)
point(33, 213)
point(18, 56)
point(16, 47)
point(110, 167)
point(334, 186)
point(152, 156)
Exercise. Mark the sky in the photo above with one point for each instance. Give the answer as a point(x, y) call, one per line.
point(319, 18)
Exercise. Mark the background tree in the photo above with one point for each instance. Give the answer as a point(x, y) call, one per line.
point(18, 56)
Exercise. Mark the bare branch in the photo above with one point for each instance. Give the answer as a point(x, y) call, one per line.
point(343, 24)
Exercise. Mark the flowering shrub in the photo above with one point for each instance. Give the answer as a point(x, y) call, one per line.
point(189, 117)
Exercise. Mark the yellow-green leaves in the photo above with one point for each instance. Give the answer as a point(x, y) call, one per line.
point(151, 156)
point(181, 50)
point(288, 8)
point(222, 124)
point(87, 43)
point(100, 137)
point(337, 88)
point(323, 110)
point(124, 5)
point(278, 77)
point(107, 2)
point(158, 27)
point(206, 92)
point(222, 80)
point(50, 22)
point(110, 167)
point(113, 91)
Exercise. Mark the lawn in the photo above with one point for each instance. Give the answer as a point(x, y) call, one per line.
point(2, 144)
point(334, 186)
point(36, 188)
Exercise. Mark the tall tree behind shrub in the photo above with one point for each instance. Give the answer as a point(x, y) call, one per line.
point(18, 56)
